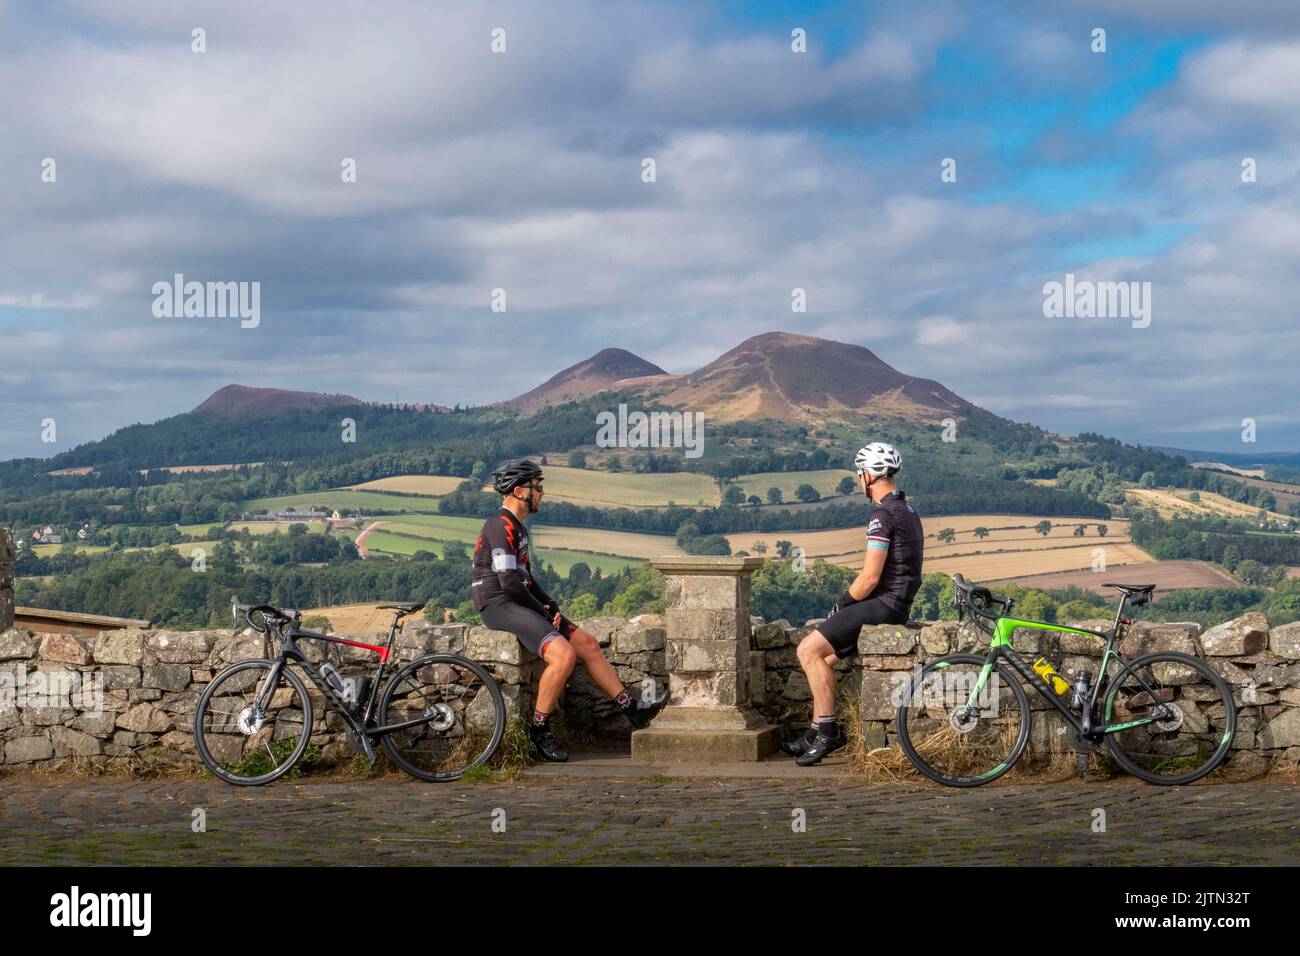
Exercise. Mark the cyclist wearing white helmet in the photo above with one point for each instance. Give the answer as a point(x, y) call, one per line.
point(882, 593)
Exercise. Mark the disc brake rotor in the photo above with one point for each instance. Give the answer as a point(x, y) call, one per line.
point(444, 718)
point(1173, 721)
point(963, 726)
point(250, 721)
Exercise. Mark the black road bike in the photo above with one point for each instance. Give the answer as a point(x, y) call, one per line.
point(964, 719)
point(436, 716)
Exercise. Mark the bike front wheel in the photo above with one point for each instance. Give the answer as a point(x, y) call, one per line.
point(1198, 718)
point(247, 731)
point(461, 715)
point(953, 742)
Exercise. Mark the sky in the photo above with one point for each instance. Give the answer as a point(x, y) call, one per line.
point(523, 170)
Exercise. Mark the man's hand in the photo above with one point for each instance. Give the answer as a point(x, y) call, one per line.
point(555, 616)
point(845, 600)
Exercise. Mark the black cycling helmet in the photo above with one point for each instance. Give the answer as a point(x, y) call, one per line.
point(512, 474)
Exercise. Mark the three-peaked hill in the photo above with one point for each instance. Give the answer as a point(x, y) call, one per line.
point(776, 375)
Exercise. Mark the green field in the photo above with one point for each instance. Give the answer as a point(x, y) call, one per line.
point(562, 560)
point(266, 527)
point(344, 499)
point(193, 529)
point(608, 489)
point(824, 481)
point(446, 527)
point(620, 544)
point(45, 550)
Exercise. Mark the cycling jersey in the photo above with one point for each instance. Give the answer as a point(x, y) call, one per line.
point(501, 570)
point(895, 526)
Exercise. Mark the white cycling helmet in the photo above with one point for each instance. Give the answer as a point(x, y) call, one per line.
point(878, 460)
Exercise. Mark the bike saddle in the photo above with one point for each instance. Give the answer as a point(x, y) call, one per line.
point(404, 608)
point(1137, 594)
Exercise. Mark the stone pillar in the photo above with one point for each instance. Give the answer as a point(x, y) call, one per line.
point(6, 580)
point(709, 718)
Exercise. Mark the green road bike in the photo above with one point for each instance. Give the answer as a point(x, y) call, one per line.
point(964, 719)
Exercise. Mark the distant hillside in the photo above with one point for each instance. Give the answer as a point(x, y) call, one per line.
point(250, 403)
point(776, 375)
point(789, 377)
point(596, 374)
point(1289, 459)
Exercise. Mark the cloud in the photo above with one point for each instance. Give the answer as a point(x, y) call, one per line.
point(522, 171)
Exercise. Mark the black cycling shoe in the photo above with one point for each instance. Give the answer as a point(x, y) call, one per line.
point(546, 745)
point(820, 747)
point(795, 745)
point(641, 713)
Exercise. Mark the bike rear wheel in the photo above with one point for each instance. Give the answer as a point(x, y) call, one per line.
point(1195, 735)
point(466, 716)
point(245, 744)
point(948, 743)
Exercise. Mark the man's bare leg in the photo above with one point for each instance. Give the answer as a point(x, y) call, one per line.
point(815, 657)
point(601, 671)
point(560, 658)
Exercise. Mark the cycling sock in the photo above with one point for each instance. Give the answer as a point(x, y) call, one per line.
point(540, 719)
point(827, 726)
point(623, 699)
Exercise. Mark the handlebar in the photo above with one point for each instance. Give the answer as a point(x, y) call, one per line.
point(977, 600)
point(262, 617)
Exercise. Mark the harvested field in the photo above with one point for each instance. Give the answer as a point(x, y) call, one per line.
point(1166, 575)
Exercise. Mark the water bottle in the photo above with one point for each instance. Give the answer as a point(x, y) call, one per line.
point(1048, 673)
point(1082, 684)
point(332, 677)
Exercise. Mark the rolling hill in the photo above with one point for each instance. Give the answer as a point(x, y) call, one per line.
point(600, 372)
point(249, 403)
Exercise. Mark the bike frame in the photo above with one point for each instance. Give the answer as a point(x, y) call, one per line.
point(290, 634)
point(1000, 647)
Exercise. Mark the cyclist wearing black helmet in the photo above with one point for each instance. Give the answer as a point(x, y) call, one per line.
point(508, 598)
point(882, 593)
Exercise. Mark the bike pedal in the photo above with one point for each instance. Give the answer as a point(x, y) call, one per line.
point(354, 742)
point(1081, 762)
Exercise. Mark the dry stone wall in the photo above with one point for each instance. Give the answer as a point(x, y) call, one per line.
point(132, 693)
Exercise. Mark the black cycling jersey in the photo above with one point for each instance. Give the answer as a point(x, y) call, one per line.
point(501, 571)
point(896, 526)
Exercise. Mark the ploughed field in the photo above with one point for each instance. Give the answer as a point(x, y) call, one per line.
point(1165, 575)
point(1011, 548)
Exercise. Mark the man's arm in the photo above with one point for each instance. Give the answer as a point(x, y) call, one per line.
point(540, 593)
point(869, 576)
point(880, 533)
point(512, 585)
point(505, 562)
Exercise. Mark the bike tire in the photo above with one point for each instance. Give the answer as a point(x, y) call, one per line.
point(954, 780)
point(498, 716)
point(1229, 728)
point(205, 700)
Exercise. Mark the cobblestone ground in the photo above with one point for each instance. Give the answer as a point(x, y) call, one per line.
point(393, 821)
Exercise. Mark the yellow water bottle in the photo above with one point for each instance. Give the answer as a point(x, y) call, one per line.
point(1048, 673)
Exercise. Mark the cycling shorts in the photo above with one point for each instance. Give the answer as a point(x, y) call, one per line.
point(841, 628)
point(532, 629)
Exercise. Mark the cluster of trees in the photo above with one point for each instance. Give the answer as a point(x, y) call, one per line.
point(1209, 539)
point(164, 587)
